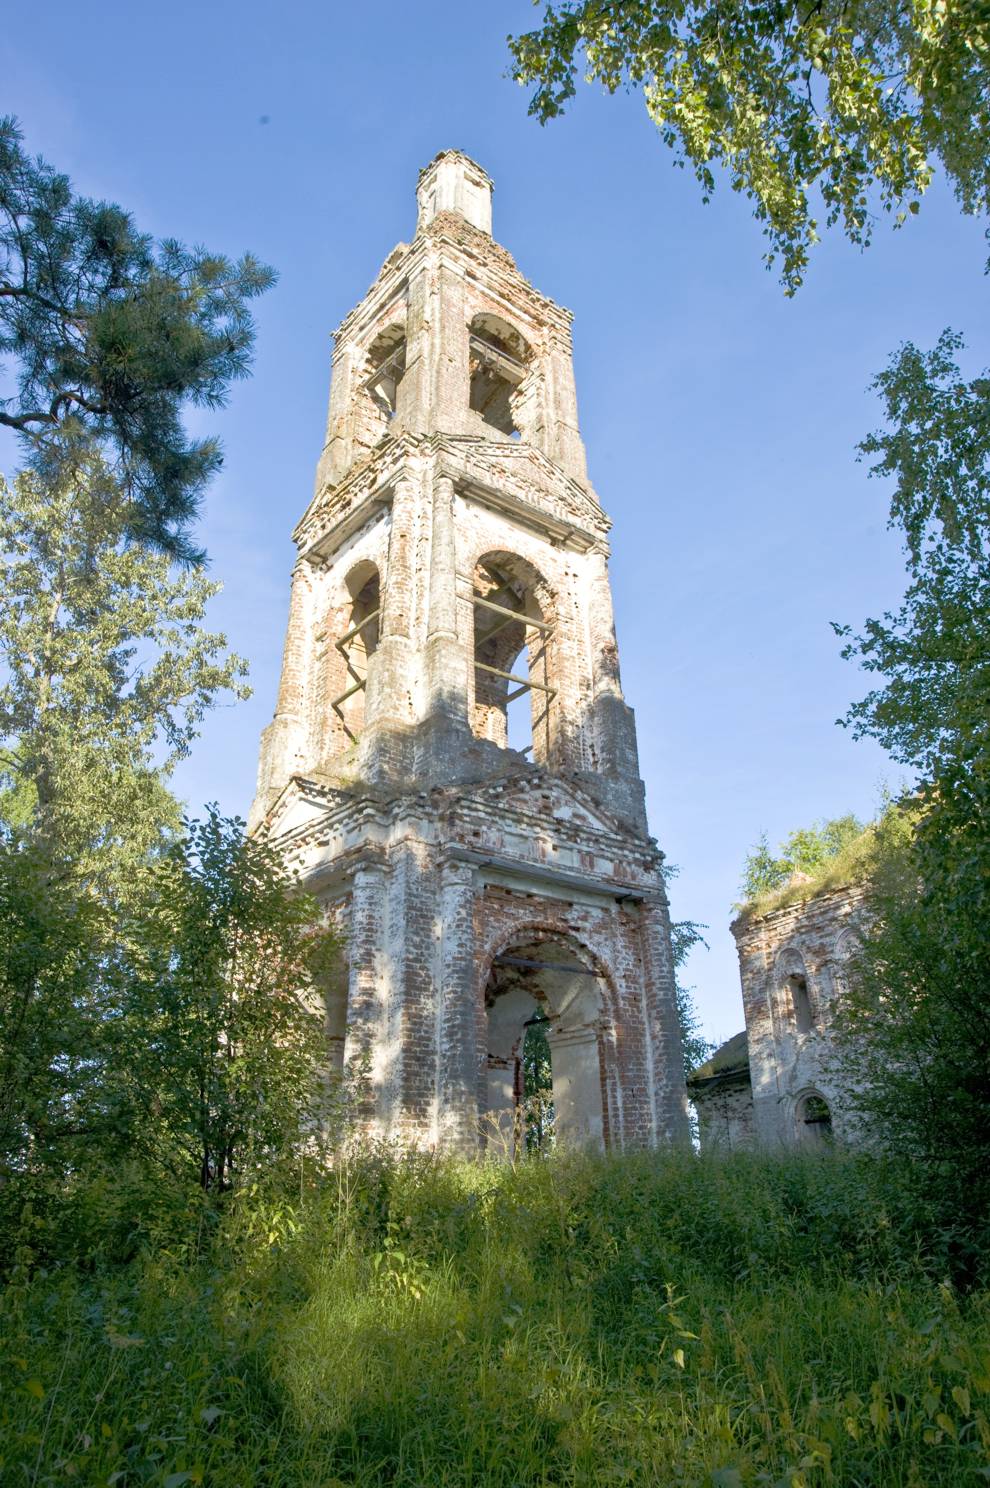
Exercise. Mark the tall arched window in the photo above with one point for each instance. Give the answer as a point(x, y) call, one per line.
point(378, 386)
point(356, 644)
point(796, 1007)
point(497, 365)
point(513, 656)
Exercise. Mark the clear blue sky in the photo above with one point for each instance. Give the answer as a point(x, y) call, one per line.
point(720, 418)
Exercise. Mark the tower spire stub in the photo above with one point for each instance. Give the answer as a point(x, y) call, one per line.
point(453, 182)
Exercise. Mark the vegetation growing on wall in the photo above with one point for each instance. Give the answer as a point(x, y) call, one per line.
point(809, 861)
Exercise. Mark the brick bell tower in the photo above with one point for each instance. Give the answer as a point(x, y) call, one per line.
point(451, 766)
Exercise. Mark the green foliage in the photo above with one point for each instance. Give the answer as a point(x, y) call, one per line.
point(106, 671)
point(156, 1054)
point(818, 852)
point(219, 1030)
point(695, 1048)
point(934, 652)
point(539, 1113)
point(852, 101)
point(422, 1324)
point(111, 336)
point(915, 1030)
point(51, 944)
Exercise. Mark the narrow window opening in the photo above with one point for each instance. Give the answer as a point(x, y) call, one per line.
point(801, 1002)
point(358, 643)
point(379, 382)
point(386, 374)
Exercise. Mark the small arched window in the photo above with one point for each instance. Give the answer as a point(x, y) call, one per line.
point(497, 366)
point(814, 1120)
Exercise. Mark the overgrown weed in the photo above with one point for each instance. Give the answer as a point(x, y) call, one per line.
point(648, 1319)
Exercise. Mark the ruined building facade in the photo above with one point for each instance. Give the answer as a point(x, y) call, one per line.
point(486, 869)
point(775, 1085)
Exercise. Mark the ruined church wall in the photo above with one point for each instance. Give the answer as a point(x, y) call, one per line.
point(726, 1120)
point(810, 939)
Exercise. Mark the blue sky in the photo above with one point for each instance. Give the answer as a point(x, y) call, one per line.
point(720, 417)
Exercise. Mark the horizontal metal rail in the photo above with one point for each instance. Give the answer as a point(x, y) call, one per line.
point(483, 666)
point(487, 604)
point(542, 965)
point(393, 364)
point(510, 367)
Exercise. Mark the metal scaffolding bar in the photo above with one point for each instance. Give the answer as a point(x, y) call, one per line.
point(362, 682)
point(356, 629)
point(524, 682)
point(487, 604)
point(543, 965)
point(493, 356)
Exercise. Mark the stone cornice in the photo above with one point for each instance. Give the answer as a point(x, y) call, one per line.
point(475, 464)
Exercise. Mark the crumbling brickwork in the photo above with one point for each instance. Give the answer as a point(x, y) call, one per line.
point(452, 567)
point(791, 968)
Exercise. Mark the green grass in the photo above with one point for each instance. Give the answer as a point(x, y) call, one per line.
point(640, 1320)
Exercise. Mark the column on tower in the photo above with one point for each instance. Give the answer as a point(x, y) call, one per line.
point(283, 741)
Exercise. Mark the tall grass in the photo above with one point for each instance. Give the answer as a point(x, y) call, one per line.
point(637, 1320)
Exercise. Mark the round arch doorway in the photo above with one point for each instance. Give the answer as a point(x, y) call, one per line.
point(543, 1004)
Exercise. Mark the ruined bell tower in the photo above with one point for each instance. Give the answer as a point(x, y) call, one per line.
point(452, 766)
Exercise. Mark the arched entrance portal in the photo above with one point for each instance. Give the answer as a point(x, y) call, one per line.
point(544, 986)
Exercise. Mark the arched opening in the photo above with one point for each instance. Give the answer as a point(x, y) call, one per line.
point(497, 366)
point(814, 1120)
point(796, 1009)
point(513, 644)
point(543, 1005)
point(386, 367)
point(846, 948)
point(800, 1002)
point(379, 382)
point(357, 644)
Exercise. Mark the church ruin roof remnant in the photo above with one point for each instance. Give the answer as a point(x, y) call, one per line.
point(452, 766)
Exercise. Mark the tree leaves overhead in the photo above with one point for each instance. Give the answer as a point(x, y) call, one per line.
point(849, 101)
point(108, 333)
